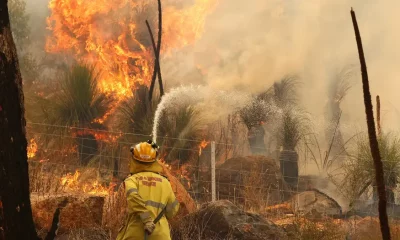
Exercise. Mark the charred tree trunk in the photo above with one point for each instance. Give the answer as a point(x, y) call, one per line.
point(378, 116)
point(87, 148)
point(256, 140)
point(379, 175)
point(14, 178)
point(288, 160)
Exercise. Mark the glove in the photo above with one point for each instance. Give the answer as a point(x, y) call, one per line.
point(149, 227)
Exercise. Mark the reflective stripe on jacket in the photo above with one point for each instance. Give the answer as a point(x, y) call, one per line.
point(147, 194)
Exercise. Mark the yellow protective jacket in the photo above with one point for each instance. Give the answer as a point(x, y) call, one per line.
point(147, 194)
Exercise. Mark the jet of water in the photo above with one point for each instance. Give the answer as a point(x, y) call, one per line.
point(196, 95)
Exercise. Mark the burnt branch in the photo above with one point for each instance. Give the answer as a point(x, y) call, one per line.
point(378, 115)
point(379, 175)
point(159, 47)
point(156, 49)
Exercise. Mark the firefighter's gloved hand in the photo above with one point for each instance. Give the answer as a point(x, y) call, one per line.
point(149, 226)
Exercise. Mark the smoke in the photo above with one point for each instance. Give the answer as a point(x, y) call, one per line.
point(248, 45)
point(37, 11)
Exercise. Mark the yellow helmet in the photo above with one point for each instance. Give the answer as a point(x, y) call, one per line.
point(145, 152)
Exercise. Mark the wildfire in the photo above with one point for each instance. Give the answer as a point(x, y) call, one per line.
point(203, 145)
point(71, 183)
point(181, 171)
point(32, 148)
point(99, 135)
point(165, 164)
point(113, 35)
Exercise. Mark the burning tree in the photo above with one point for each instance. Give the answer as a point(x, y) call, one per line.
point(81, 105)
point(113, 35)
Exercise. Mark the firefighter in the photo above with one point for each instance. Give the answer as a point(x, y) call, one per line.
point(147, 193)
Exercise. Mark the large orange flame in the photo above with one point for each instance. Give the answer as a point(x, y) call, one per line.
point(113, 35)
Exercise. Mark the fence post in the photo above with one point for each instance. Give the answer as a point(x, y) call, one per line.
point(213, 190)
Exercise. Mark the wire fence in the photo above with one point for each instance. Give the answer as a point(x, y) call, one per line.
point(97, 160)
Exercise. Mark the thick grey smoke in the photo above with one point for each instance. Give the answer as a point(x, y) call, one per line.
point(248, 45)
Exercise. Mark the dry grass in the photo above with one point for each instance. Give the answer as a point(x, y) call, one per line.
point(256, 197)
point(86, 234)
point(114, 211)
point(326, 229)
point(45, 183)
point(300, 228)
point(369, 229)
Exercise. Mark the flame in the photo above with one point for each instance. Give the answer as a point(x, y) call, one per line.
point(32, 148)
point(98, 135)
point(202, 145)
point(163, 162)
point(180, 171)
point(113, 35)
point(71, 183)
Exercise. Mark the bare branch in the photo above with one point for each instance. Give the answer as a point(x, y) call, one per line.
point(156, 49)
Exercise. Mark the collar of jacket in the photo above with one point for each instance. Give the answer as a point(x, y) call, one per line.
point(137, 167)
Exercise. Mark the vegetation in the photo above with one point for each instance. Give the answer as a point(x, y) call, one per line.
point(359, 170)
point(135, 114)
point(337, 91)
point(295, 124)
point(267, 107)
point(78, 104)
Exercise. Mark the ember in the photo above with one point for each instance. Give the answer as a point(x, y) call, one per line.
point(32, 148)
point(203, 145)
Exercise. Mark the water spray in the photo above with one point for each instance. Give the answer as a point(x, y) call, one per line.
point(196, 95)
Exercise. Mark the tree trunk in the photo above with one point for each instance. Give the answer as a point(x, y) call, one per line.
point(333, 134)
point(14, 178)
point(87, 148)
point(256, 140)
point(379, 174)
point(288, 160)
